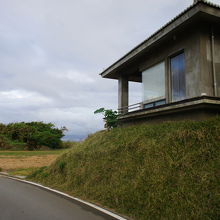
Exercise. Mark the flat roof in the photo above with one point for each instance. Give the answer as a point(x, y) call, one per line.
point(163, 31)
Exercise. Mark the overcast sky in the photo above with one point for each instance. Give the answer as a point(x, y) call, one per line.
point(52, 51)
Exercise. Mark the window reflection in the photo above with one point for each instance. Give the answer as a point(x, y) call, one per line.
point(153, 80)
point(178, 77)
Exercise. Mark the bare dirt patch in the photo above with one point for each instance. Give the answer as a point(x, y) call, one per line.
point(26, 162)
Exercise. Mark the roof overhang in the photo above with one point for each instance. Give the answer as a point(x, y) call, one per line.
point(194, 13)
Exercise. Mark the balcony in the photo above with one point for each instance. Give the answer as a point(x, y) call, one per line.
point(192, 108)
point(148, 104)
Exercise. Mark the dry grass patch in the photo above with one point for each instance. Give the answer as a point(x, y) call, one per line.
point(13, 160)
point(26, 162)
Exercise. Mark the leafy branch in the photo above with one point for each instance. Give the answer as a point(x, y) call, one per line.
point(110, 117)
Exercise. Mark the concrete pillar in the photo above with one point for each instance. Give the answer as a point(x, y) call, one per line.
point(122, 94)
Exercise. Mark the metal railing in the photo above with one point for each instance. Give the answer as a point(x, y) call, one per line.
point(143, 105)
point(130, 108)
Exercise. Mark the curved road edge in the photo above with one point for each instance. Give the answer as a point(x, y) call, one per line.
point(65, 195)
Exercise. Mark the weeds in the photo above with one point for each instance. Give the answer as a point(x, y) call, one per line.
point(61, 166)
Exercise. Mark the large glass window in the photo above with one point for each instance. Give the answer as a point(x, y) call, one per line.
point(153, 80)
point(178, 77)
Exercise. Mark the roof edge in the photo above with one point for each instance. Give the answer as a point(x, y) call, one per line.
point(195, 4)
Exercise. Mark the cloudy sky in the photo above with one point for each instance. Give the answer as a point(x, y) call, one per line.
point(52, 51)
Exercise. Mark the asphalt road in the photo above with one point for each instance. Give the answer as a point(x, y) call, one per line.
point(21, 201)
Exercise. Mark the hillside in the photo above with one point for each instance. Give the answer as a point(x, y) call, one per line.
point(165, 171)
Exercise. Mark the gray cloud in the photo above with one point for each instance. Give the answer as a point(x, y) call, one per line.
point(51, 52)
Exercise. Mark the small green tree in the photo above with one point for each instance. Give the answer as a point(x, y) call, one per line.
point(110, 117)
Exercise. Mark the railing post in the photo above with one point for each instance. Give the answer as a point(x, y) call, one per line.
point(122, 94)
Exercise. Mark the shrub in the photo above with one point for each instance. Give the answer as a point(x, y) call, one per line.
point(110, 117)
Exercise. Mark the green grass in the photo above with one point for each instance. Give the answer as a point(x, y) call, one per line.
point(148, 172)
point(30, 153)
point(69, 144)
point(23, 172)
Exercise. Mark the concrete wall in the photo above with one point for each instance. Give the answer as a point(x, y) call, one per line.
point(217, 59)
point(207, 59)
point(188, 42)
point(206, 62)
point(206, 72)
point(192, 115)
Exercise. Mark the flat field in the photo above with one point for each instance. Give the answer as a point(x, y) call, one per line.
point(25, 161)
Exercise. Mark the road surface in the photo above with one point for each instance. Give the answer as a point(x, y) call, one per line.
point(21, 201)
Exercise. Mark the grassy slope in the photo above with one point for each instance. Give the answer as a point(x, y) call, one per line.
point(166, 171)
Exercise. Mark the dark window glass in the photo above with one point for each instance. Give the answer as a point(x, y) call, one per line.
point(161, 102)
point(154, 104)
point(178, 77)
point(150, 105)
